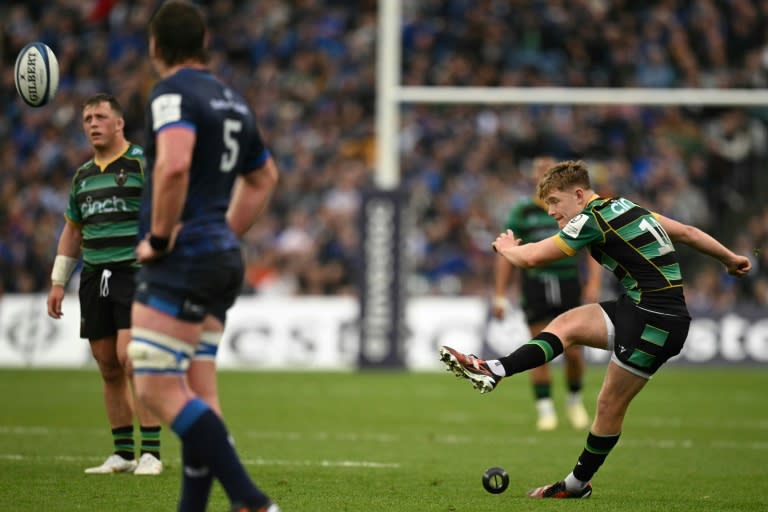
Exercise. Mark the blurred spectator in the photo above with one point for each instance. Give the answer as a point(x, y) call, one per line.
point(710, 292)
point(308, 67)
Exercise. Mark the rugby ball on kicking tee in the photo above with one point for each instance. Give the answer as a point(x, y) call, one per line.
point(36, 74)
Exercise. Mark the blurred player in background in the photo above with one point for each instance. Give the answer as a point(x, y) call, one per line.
point(211, 177)
point(644, 327)
point(544, 293)
point(101, 224)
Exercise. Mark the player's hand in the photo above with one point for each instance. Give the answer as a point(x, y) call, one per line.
point(504, 241)
point(739, 266)
point(145, 252)
point(55, 298)
point(499, 307)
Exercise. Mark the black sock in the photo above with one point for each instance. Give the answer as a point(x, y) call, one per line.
point(541, 349)
point(594, 454)
point(150, 440)
point(204, 437)
point(196, 482)
point(541, 391)
point(122, 439)
point(574, 386)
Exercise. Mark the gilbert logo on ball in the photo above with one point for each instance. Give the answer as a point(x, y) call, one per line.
point(36, 74)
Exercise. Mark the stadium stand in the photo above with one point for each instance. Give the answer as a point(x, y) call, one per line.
point(309, 68)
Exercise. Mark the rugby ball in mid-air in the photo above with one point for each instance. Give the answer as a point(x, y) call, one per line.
point(36, 74)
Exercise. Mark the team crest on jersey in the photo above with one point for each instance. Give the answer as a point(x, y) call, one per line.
point(574, 226)
point(121, 177)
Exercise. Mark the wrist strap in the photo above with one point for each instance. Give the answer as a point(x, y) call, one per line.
point(159, 243)
point(63, 266)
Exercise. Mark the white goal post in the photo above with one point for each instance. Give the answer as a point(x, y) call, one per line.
point(382, 285)
point(390, 95)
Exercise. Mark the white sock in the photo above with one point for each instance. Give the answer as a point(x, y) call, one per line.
point(573, 484)
point(496, 367)
point(574, 398)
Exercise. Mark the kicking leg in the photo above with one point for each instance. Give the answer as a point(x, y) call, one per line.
point(574, 327)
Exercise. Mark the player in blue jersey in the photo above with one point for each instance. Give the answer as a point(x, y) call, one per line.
point(210, 176)
point(644, 327)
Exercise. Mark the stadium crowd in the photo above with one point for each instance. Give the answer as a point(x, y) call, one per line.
point(308, 67)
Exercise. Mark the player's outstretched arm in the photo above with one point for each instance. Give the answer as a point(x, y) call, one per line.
point(530, 255)
point(735, 264)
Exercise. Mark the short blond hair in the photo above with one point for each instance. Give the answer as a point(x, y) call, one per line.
point(562, 176)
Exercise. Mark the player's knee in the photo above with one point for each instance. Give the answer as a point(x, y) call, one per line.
point(123, 338)
point(111, 371)
point(151, 352)
point(109, 366)
point(603, 405)
point(105, 353)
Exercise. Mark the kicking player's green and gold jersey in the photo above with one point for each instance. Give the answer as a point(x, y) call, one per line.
point(531, 223)
point(628, 240)
point(104, 203)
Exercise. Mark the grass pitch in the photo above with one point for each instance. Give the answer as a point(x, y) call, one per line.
point(694, 440)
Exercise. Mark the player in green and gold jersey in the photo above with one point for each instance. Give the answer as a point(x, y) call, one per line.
point(102, 227)
point(643, 328)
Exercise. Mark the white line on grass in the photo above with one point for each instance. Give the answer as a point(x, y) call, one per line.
point(661, 422)
point(15, 457)
point(664, 422)
point(323, 463)
point(444, 438)
point(33, 430)
point(352, 437)
point(633, 443)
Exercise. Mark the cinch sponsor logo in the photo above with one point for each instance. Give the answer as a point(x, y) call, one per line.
point(621, 205)
point(108, 205)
